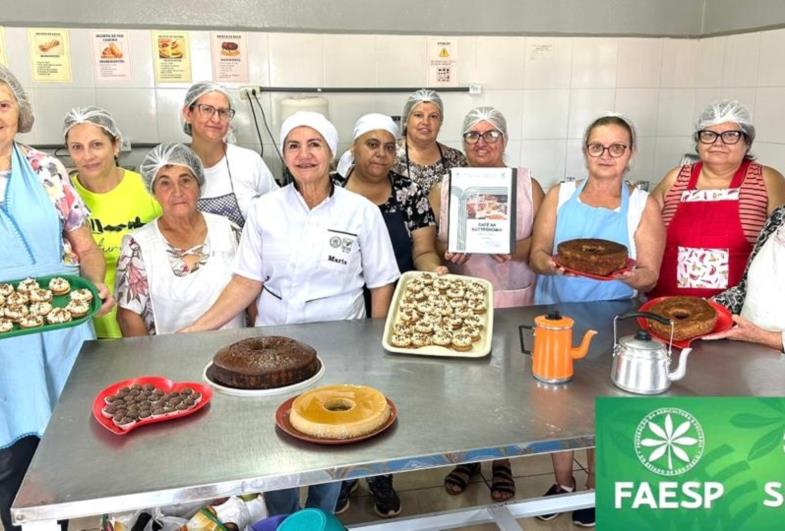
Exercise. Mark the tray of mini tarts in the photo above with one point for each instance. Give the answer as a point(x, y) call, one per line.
point(154, 398)
point(459, 310)
point(57, 299)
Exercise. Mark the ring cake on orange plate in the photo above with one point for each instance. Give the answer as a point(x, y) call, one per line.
point(339, 411)
point(263, 363)
point(594, 256)
point(691, 316)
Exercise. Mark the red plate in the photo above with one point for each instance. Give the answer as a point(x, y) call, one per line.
point(164, 384)
point(724, 321)
point(282, 421)
point(612, 276)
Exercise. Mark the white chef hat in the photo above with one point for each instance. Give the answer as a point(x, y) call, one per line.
point(727, 111)
point(315, 121)
point(374, 121)
point(485, 114)
point(92, 115)
point(170, 155)
point(196, 91)
point(25, 121)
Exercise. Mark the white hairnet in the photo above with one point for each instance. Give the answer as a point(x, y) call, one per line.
point(25, 121)
point(92, 115)
point(374, 121)
point(315, 121)
point(727, 111)
point(417, 97)
point(485, 114)
point(613, 118)
point(196, 91)
point(170, 155)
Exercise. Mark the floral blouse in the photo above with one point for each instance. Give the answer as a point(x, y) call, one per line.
point(427, 175)
point(132, 289)
point(733, 298)
point(408, 198)
point(69, 206)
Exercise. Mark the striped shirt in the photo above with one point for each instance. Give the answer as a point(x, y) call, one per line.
point(753, 199)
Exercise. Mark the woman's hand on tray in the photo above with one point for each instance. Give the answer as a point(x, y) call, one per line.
point(457, 258)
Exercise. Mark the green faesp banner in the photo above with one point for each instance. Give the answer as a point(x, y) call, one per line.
point(690, 464)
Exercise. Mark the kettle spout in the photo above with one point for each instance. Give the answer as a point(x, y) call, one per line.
point(681, 370)
point(581, 350)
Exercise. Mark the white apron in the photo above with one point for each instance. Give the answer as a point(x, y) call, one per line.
point(764, 304)
point(179, 301)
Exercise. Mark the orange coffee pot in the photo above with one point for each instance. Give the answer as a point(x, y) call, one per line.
point(553, 352)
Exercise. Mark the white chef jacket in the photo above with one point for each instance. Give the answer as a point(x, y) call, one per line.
point(314, 262)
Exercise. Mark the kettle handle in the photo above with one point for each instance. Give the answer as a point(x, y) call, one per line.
point(646, 315)
point(520, 335)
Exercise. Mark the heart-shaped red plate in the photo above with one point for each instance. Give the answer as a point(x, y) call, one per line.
point(159, 382)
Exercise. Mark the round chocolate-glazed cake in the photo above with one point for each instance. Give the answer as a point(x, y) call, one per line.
point(595, 256)
point(263, 363)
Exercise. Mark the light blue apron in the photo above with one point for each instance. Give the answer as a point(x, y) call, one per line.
point(578, 220)
point(34, 367)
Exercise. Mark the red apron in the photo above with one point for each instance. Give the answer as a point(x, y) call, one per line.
point(706, 250)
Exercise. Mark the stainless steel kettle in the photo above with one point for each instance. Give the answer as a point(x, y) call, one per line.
point(642, 365)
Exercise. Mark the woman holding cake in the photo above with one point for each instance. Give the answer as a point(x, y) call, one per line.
point(420, 157)
point(172, 269)
point(484, 141)
point(715, 208)
point(312, 267)
point(601, 206)
point(117, 198)
point(43, 231)
point(233, 176)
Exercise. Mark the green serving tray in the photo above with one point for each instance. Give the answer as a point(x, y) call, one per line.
point(58, 301)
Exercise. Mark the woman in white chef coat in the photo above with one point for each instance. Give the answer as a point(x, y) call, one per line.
point(172, 269)
point(233, 176)
point(305, 254)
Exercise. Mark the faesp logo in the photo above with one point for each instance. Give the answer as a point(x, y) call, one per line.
point(669, 441)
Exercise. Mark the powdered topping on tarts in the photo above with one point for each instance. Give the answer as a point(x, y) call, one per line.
point(40, 295)
point(6, 325)
point(20, 297)
point(6, 289)
point(15, 312)
point(59, 286)
point(41, 308)
point(78, 308)
point(31, 321)
point(401, 340)
point(27, 284)
point(58, 316)
point(82, 295)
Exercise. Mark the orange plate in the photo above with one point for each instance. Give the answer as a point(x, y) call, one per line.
point(164, 384)
point(627, 267)
point(724, 321)
point(282, 421)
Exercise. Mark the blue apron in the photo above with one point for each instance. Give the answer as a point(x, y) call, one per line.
point(34, 367)
point(578, 220)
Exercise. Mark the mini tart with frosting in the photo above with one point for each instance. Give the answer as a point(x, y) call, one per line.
point(420, 340)
point(6, 289)
point(339, 411)
point(31, 321)
point(78, 308)
point(462, 342)
point(40, 308)
point(83, 294)
point(475, 320)
point(40, 295)
point(59, 286)
point(472, 331)
point(58, 316)
point(6, 325)
point(401, 340)
point(15, 312)
point(19, 297)
point(442, 338)
point(27, 284)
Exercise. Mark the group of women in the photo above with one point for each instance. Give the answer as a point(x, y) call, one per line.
point(203, 238)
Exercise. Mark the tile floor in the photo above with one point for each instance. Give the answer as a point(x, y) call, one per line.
point(423, 492)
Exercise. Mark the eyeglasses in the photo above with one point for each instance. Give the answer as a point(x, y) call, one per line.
point(728, 137)
point(490, 137)
point(209, 111)
point(614, 150)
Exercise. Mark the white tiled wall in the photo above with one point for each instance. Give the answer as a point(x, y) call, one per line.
point(548, 88)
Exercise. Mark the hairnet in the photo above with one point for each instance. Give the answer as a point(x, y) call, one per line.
point(196, 91)
point(613, 118)
point(727, 111)
point(315, 121)
point(372, 122)
point(92, 115)
point(25, 122)
point(485, 114)
point(170, 155)
point(417, 97)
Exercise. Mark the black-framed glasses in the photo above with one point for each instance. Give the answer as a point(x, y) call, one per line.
point(614, 150)
point(707, 136)
point(490, 137)
point(209, 111)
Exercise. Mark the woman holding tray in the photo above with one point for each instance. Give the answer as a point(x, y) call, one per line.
point(43, 232)
point(484, 140)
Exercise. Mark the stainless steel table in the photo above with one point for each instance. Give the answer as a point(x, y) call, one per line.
point(450, 411)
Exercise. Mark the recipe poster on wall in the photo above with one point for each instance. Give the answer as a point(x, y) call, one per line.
point(111, 56)
point(50, 55)
point(442, 62)
point(481, 210)
point(230, 58)
point(3, 59)
point(172, 53)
